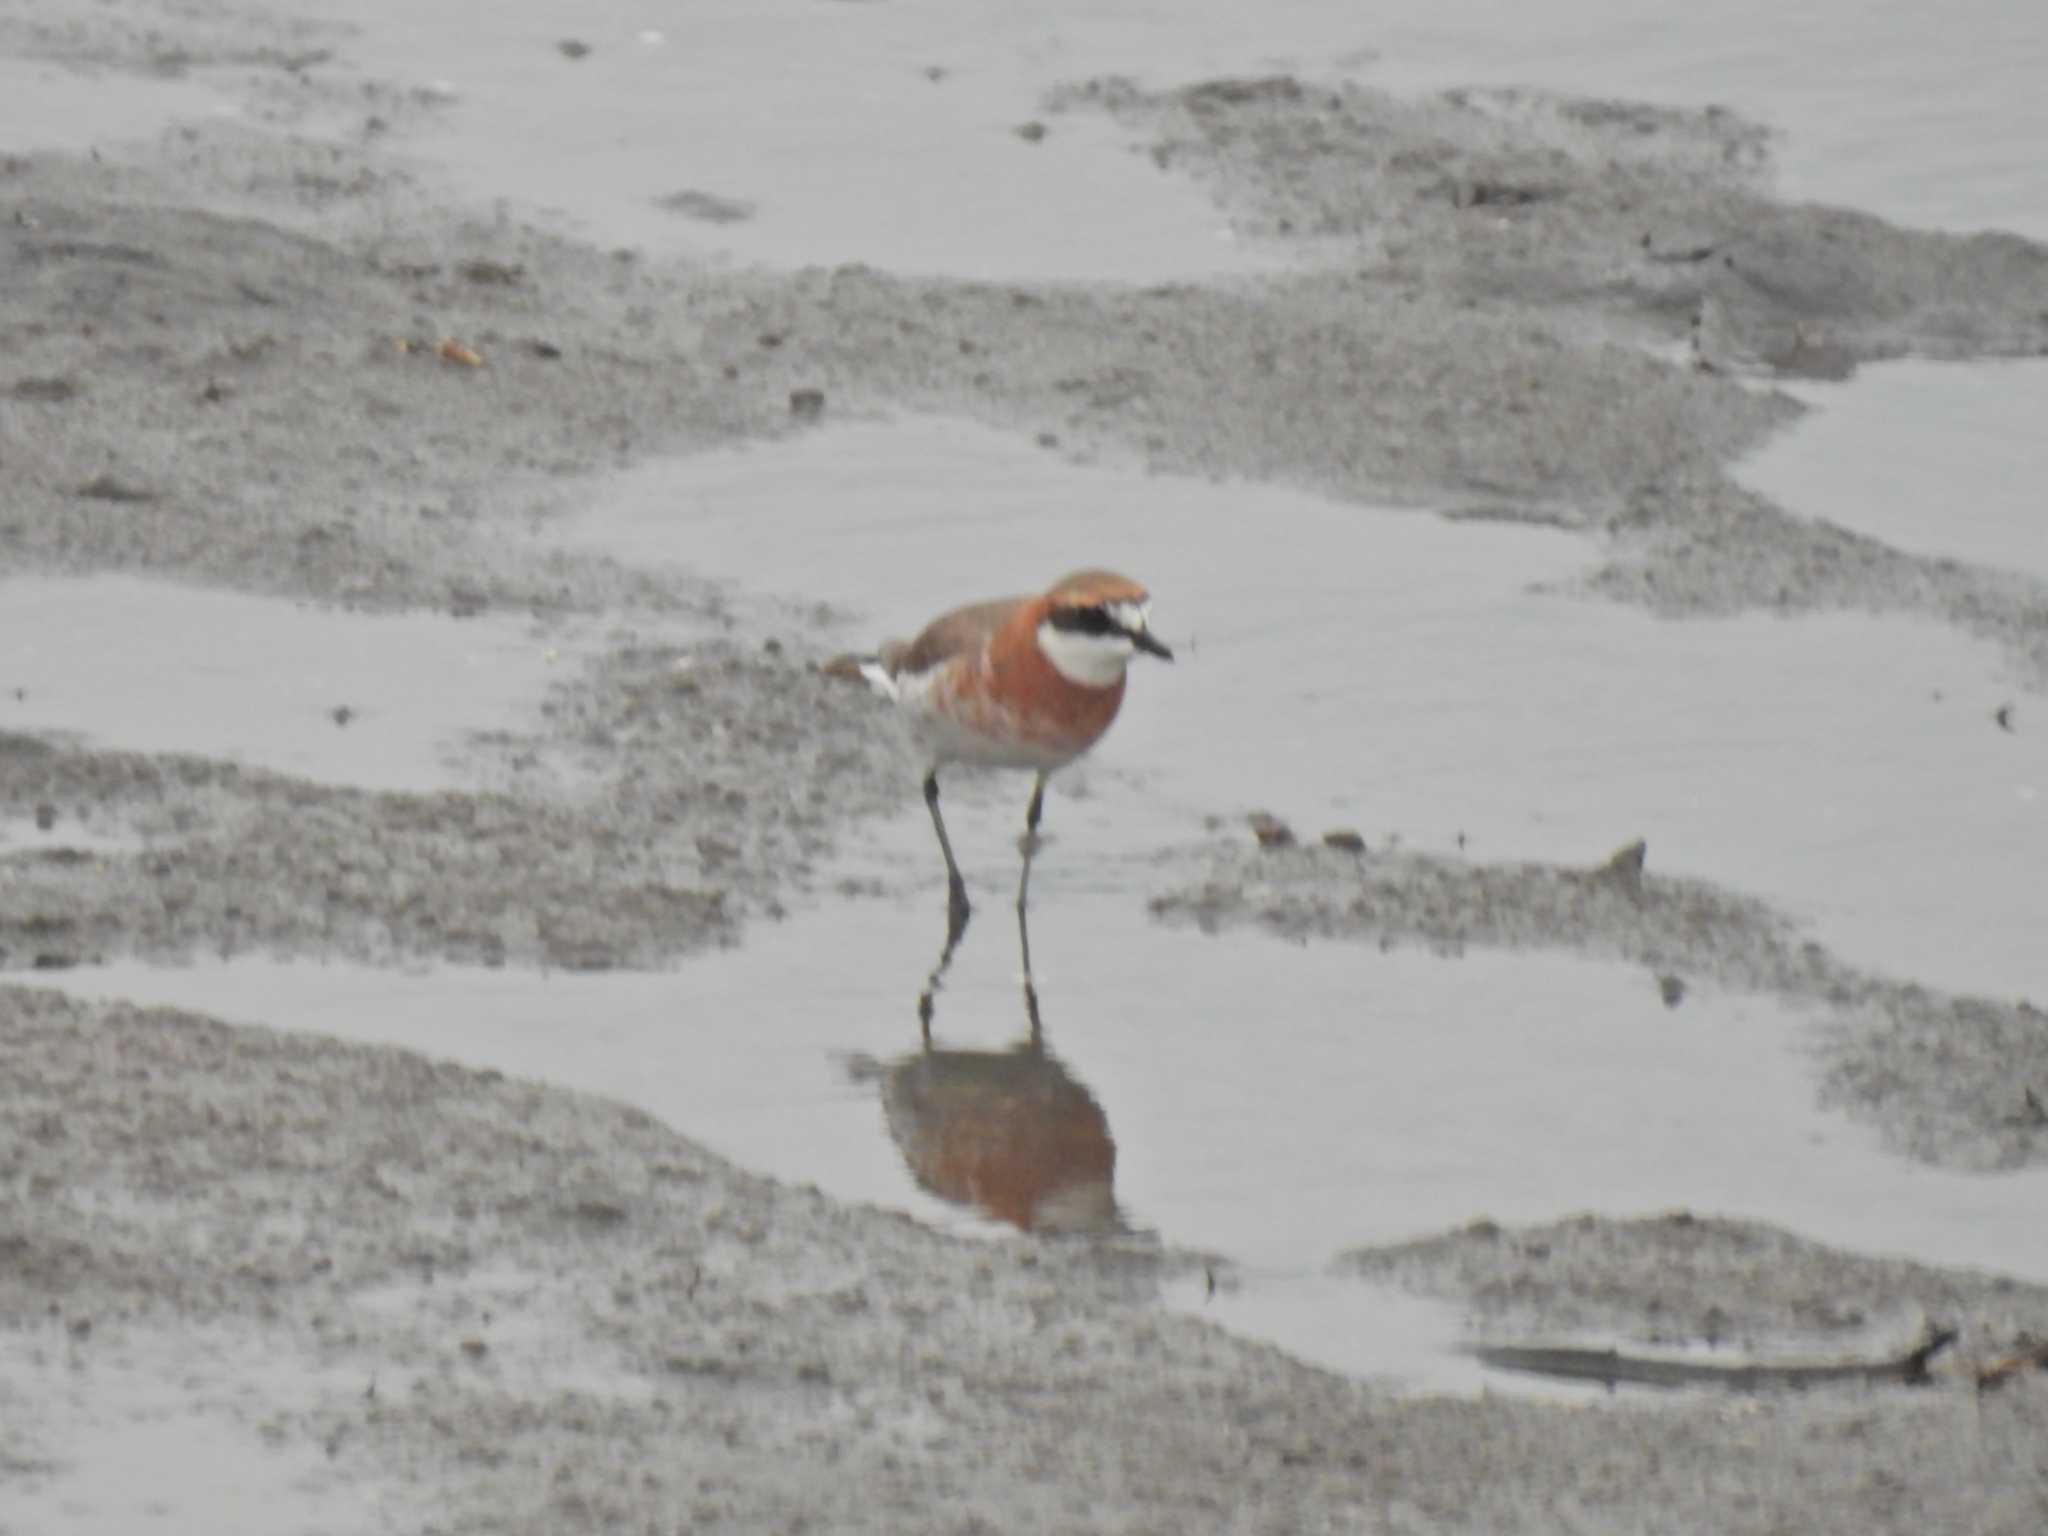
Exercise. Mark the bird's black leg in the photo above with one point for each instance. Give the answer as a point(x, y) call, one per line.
point(956, 888)
point(957, 910)
point(1030, 987)
point(928, 999)
point(1029, 845)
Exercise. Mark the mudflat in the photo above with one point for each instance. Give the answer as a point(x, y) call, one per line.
point(272, 355)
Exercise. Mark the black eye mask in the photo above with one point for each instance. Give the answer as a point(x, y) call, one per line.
point(1093, 620)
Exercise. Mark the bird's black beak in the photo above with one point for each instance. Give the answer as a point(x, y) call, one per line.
point(1144, 640)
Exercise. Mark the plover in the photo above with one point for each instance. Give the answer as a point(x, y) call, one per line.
point(1020, 682)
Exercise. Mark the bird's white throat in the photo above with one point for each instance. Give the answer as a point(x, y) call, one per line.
point(1092, 661)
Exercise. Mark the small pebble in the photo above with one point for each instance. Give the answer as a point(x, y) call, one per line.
point(1625, 867)
point(1270, 830)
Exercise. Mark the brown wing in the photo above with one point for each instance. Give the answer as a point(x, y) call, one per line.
point(958, 633)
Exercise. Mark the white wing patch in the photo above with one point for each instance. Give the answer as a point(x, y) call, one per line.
point(878, 677)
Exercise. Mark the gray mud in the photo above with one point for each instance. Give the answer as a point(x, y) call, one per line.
point(635, 823)
point(268, 408)
point(1644, 216)
point(1647, 227)
point(1685, 1280)
point(1725, 1291)
point(1958, 1081)
point(222, 362)
point(1710, 546)
point(263, 403)
point(514, 1308)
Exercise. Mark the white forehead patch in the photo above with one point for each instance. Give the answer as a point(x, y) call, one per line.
point(1129, 615)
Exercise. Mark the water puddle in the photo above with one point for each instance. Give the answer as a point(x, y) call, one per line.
point(1409, 1344)
point(1377, 669)
point(795, 133)
point(133, 1436)
point(799, 134)
point(1270, 1103)
point(1940, 459)
point(1384, 670)
point(380, 701)
point(54, 834)
point(1928, 117)
point(46, 106)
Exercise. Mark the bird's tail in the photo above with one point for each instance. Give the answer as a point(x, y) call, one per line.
point(862, 669)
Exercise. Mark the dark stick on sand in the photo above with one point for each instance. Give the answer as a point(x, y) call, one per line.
point(1615, 1369)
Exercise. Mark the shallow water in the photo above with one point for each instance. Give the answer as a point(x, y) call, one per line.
point(1377, 669)
point(169, 1437)
point(797, 133)
point(886, 134)
point(66, 836)
point(1940, 459)
point(1926, 115)
point(1268, 1102)
point(817, 133)
point(1405, 675)
point(49, 106)
point(383, 701)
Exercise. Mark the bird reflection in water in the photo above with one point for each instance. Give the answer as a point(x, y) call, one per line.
point(1010, 1132)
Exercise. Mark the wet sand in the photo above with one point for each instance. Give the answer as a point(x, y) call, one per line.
point(415, 1296)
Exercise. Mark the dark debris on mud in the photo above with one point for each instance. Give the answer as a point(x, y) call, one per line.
point(1679, 1281)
